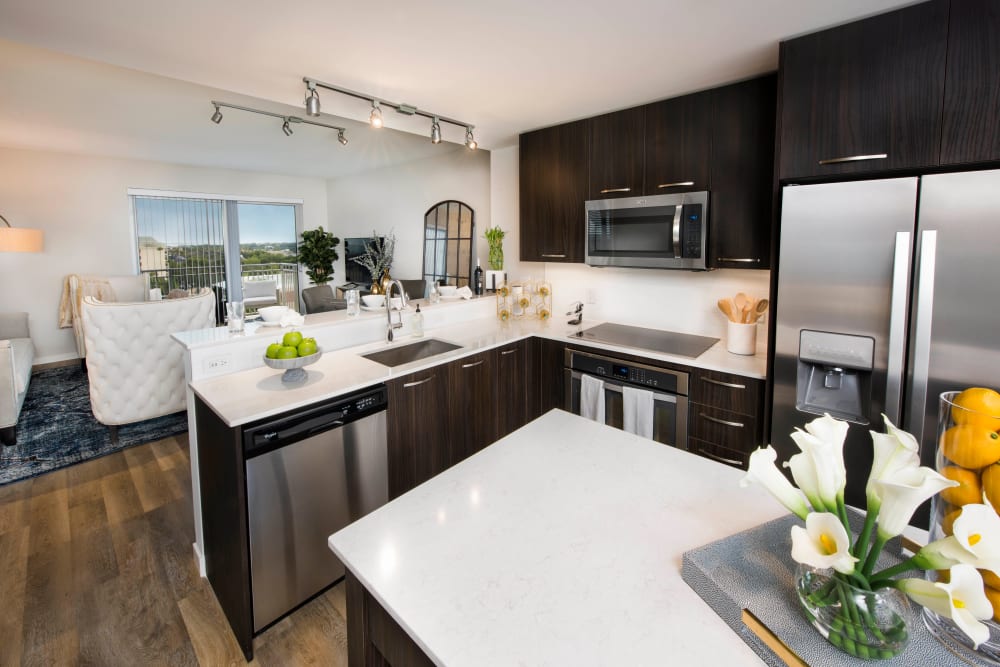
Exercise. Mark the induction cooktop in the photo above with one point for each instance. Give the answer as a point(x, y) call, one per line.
point(654, 340)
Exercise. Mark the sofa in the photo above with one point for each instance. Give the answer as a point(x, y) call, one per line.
point(135, 370)
point(17, 354)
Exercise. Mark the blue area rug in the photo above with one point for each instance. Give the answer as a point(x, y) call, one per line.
point(58, 429)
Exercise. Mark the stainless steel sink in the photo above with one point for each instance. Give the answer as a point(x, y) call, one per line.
point(404, 354)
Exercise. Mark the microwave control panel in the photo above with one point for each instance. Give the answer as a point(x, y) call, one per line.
point(692, 231)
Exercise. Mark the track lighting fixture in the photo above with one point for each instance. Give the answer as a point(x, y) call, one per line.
point(312, 101)
point(375, 118)
point(286, 121)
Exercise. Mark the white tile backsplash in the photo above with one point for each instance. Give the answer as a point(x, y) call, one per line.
point(674, 300)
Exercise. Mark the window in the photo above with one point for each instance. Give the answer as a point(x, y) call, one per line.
point(449, 228)
point(226, 245)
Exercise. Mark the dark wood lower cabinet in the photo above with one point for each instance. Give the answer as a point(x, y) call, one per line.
point(374, 639)
point(471, 408)
point(419, 442)
point(511, 383)
point(551, 388)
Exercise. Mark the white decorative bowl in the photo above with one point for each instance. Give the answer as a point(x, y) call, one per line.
point(447, 290)
point(294, 368)
point(272, 313)
point(373, 300)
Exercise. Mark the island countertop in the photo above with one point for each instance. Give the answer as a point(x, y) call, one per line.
point(559, 544)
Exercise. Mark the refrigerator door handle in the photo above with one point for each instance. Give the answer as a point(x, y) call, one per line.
point(897, 326)
point(922, 333)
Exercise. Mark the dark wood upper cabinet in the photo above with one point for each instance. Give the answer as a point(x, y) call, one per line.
point(864, 89)
point(742, 174)
point(617, 153)
point(679, 144)
point(554, 183)
point(971, 128)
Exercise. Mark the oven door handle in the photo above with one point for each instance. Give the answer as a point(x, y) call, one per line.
point(615, 386)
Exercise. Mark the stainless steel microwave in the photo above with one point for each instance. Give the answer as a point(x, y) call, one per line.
point(657, 232)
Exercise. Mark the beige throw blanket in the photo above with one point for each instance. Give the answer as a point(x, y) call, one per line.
point(70, 303)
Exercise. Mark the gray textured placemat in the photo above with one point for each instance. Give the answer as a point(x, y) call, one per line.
point(754, 570)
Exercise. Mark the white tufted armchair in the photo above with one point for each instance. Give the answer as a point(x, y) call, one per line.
point(136, 371)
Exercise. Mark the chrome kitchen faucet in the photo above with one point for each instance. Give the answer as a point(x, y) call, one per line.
point(388, 308)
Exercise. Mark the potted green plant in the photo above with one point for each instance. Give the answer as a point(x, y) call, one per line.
point(495, 277)
point(317, 253)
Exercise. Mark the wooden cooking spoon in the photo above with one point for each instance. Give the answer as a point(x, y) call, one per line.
point(739, 301)
point(726, 306)
point(760, 308)
point(748, 311)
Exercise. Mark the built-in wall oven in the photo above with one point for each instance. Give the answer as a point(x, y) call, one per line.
point(669, 387)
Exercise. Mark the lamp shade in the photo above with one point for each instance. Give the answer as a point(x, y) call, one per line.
point(20, 239)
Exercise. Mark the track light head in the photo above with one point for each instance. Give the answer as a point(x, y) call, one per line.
point(286, 128)
point(217, 116)
point(435, 131)
point(341, 138)
point(470, 141)
point(375, 119)
point(312, 101)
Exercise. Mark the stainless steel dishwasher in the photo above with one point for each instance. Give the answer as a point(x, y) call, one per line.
point(309, 474)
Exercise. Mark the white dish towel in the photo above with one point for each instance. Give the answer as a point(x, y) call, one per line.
point(592, 398)
point(637, 411)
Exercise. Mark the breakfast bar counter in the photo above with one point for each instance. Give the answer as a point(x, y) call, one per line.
point(560, 544)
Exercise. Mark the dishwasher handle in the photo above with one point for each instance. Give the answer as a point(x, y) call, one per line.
point(269, 437)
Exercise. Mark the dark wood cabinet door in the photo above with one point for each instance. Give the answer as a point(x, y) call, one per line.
point(679, 144)
point(417, 428)
point(971, 128)
point(553, 188)
point(549, 382)
point(617, 154)
point(743, 187)
point(726, 391)
point(511, 387)
point(867, 88)
point(470, 404)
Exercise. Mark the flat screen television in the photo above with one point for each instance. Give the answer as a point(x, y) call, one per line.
point(354, 272)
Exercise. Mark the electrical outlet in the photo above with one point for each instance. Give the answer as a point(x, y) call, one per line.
point(218, 364)
point(591, 295)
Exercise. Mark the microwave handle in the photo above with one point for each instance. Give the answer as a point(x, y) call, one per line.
point(678, 210)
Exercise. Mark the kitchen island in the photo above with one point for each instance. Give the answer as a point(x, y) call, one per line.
point(560, 544)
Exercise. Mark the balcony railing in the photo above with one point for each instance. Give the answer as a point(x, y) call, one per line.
point(284, 274)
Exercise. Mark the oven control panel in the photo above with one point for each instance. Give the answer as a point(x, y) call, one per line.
point(674, 382)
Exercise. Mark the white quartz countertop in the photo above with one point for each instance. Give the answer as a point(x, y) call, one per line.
point(560, 544)
point(246, 396)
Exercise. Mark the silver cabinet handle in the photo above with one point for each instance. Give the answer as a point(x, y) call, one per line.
point(553, 255)
point(675, 185)
point(855, 158)
point(922, 332)
point(722, 421)
point(745, 260)
point(731, 385)
point(897, 326)
point(407, 385)
point(504, 353)
point(721, 459)
point(474, 363)
point(607, 191)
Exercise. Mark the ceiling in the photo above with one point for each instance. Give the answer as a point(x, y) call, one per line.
point(504, 67)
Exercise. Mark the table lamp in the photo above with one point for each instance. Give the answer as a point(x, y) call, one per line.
point(20, 239)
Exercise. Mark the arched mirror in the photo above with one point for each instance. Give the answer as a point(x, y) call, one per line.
point(449, 230)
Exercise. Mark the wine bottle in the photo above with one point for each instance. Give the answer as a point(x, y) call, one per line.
point(477, 277)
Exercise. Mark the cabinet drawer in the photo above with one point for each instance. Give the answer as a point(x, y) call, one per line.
point(728, 429)
point(735, 393)
point(730, 457)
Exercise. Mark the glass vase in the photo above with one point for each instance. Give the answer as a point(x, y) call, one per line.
point(960, 458)
point(871, 625)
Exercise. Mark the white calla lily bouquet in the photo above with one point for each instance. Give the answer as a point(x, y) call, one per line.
point(897, 485)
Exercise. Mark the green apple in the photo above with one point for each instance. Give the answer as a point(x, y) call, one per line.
point(272, 350)
point(287, 352)
point(307, 347)
point(292, 339)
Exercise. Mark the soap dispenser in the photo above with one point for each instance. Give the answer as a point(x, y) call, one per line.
point(418, 323)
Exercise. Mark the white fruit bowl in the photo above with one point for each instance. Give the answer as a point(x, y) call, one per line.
point(294, 368)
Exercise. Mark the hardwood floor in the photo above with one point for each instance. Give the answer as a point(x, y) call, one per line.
point(96, 568)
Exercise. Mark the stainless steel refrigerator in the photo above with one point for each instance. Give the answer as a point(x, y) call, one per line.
point(888, 294)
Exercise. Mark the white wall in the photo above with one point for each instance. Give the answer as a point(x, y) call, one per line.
point(81, 204)
point(396, 198)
